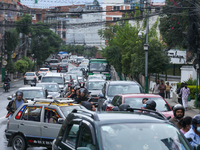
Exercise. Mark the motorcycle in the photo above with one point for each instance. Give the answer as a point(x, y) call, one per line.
point(6, 86)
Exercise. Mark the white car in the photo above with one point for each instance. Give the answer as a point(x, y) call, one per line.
point(30, 77)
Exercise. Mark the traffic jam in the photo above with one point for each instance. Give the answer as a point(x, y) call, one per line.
point(73, 103)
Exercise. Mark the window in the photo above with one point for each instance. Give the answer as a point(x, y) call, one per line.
point(116, 7)
point(51, 115)
point(114, 101)
point(64, 35)
point(71, 136)
point(115, 19)
point(119, 101)
point(32, 113)
point(86, 138)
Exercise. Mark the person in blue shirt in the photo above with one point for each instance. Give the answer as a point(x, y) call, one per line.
point(194, 132)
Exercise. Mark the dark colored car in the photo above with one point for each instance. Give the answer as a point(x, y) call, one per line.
point(135, 101)
point(112, 88)
point(64, 67)
point(87, 130)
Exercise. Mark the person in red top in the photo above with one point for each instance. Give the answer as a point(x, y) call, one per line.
point(162, 88)
point(58, 68)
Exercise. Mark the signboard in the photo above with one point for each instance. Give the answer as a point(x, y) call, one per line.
point(4, 62)
point(13, 55)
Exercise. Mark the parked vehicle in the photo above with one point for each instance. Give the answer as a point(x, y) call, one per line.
point(30, 77)
point(135, 101)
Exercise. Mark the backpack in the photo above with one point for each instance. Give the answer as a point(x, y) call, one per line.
point(9, 106)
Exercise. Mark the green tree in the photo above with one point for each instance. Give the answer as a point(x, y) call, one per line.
point(30, 63)
point(21, 66)
point(23, 25)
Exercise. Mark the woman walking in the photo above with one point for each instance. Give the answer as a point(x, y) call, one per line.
point(185, 91)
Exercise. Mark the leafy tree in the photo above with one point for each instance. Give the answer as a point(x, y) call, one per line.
point(21, 66)
point(30, 63)
point(23, 25)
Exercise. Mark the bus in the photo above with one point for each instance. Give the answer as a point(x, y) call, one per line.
point(99, 66)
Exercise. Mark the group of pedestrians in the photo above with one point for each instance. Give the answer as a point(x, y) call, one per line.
point(189, 126)
point(162, 89)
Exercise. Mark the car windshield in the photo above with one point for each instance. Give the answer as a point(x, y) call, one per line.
point(33, 94)
point(139, 136)
point(68, 109)
point(98, 66)
point(136, 102)
point(122, 89)
point(95, 85)
point(58, 80)
point(75, 69)
point(53, 61)
point(74, 77)
point(94, 77)
point(44, 70)
point(49, 87)
point(80, 59)
point(30, 74)
point(67, 78)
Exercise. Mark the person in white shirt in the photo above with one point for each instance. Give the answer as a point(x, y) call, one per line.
point(155, 88)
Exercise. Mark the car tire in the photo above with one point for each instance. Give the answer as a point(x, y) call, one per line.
point(19, 143)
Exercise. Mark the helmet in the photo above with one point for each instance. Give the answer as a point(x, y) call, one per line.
point(77, 87)
point(82, 84)
point(6, 75)
point(195, 121)
point(152, 104)
point(19, 93)
point(72, 86)
point(177, 107)
point(82, 90)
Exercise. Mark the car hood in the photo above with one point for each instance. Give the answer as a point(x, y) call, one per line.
point(61, 86)
point(54, 94)
point(168, 113)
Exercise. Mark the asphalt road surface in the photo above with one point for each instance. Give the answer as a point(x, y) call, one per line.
point(3, 112)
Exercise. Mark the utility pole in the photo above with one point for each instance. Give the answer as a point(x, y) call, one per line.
point(3, 45)
point(146, 47)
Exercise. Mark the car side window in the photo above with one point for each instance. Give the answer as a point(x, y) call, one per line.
point(32, 113)
point(86, 138)
point(71, 135)
point(51, 115)
point(114, 101)
point(119, 102)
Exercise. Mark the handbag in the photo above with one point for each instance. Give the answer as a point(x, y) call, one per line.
point(189, 97)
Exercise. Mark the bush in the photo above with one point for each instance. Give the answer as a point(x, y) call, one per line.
point(189, 82)
point(30, 63)
point(21, 66)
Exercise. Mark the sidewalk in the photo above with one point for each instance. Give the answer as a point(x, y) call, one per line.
point(190, 105)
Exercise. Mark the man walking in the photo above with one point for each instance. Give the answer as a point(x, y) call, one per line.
point(185, 91)
point(155, 88)
point(162, 89)
point(168, 88)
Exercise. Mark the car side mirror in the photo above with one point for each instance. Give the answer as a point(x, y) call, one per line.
point(172, 107)
point(49, 96)
point(9, 98)
point(83, 148)
point(60, 120)
point(197, 147)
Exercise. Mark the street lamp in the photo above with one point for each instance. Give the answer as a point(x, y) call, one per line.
point(146, 48)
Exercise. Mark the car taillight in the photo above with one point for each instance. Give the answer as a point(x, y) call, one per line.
point(109, 107)
point(24, 76)
point(65, 66)
point(19, 114)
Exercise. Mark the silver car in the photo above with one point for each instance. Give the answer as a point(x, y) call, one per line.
point(38, 124)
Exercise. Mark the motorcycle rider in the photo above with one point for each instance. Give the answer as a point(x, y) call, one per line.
point(82, 96)
point(179, 112)
point(77, 88)
point(150, 104)
point(7, 80)
point(69, 90)
point(194, 132)
point(15, 104)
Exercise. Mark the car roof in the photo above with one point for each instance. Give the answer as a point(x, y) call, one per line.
point(53, 75)
point(46, 83)
point(142, 95)
point(30, 72)
point(121, 82)
point(31, 88)
point(44, 68)
point(94, 80)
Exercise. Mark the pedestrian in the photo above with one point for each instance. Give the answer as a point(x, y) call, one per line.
point(155, 88)
point(186, 124)
point(178, 92)
point(167, 92)
point(194, 132)
point(162, 89)
point(185, 91)
point(179, 113)
point(58, 68)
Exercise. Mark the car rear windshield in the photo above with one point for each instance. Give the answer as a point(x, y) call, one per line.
point(44, 70)
point(50, 87)
point(95, 85)
point(53, 61)
point(29, 74)
point(29, 94)
point(58, 80)
point(67, 78)
point(98, 66)
point(135, 102)
point(122, 89)
point(64, 60)
point(139, 136)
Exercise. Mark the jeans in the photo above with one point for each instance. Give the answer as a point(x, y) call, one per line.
point(162, 94)
point(168, 94)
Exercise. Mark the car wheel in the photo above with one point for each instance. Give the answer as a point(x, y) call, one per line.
point(19, 143)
